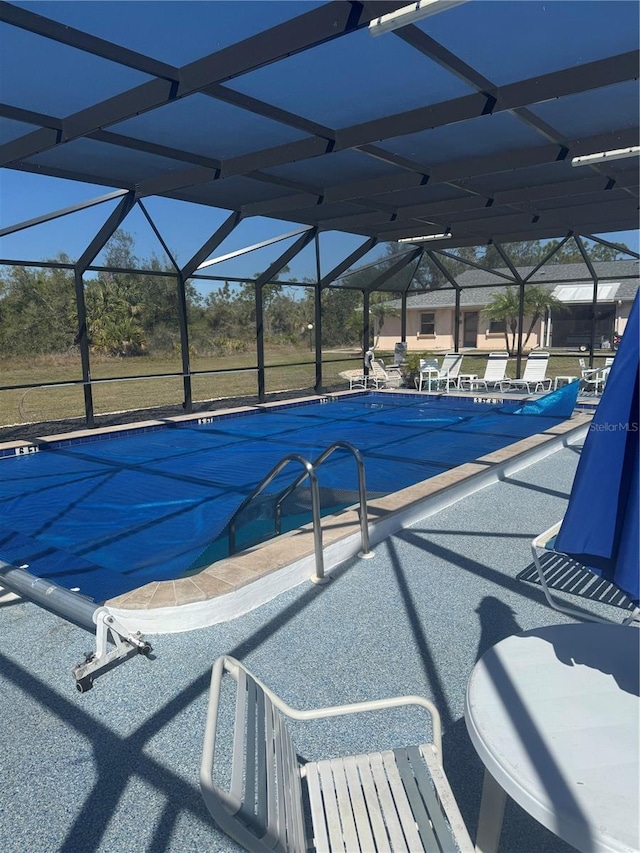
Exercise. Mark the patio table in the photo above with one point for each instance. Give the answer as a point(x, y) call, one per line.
point(429, 377)
point(554, 715)
point(465, 380)
point(559, 381)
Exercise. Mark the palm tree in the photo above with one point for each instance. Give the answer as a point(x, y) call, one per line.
point(505, 306)
point(113, 321)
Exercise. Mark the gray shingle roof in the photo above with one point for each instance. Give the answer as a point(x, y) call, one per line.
point(477, 289)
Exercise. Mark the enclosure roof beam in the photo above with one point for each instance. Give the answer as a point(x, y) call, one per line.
point(586, 258)
point(571, 81)
point(64, 34)
point(73, 175)
point(445, 272)
point(471, 263)
point(446, 174)
point(418, 39)
point(321, 24)
point(105, 233)
point(508, 262)
point(349, 261)
point(625, 250)
point(595, 74)
point(405, 290)
point(548, 256)
point(159, 236)
point(211, 245)
point(286, 256)
point(262, 108)
point(57, 214)
point(552, 223)
point(395, 268)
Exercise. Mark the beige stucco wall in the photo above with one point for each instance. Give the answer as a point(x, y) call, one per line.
point(443, 339)
point(622, 316)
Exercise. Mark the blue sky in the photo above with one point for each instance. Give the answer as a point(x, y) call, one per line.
point(205, 27)
point(184, 226)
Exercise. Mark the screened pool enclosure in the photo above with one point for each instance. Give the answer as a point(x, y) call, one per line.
point(232, 202)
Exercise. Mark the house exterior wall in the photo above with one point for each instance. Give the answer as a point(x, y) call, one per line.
point(622, 316)
point(442, 339)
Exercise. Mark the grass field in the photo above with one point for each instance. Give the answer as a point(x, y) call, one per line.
point(234, 376)
point(28, 405)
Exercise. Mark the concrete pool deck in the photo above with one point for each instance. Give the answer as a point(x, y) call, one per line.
point(115, 770)
point(237, 584)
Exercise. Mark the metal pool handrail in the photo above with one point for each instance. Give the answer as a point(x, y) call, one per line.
point(310, 472)
point(364, 522)
point(315, 509)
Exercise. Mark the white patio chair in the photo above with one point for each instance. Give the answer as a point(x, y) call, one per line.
point(594, 379)
point(441, 378)
point(450, 370)
point(494, 372)
point(261, 792)
point(535, 374)
point(381, 376)
point(378, 377)
point(428, 374)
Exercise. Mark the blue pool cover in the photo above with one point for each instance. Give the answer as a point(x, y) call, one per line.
point(107, 516)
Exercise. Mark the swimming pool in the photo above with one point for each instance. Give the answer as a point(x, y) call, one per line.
point(108, 514)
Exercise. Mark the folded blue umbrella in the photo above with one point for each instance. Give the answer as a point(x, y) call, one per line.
point(601, 526)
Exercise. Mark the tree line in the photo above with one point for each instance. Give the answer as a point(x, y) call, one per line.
point(135, 314)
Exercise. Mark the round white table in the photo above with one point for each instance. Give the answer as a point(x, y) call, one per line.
point(554, 714)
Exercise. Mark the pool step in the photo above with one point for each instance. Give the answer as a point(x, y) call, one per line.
point(257, 522)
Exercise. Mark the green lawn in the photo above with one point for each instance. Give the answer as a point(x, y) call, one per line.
point(20, 405)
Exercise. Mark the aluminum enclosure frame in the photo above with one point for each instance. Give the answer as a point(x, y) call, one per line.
point(602, 199)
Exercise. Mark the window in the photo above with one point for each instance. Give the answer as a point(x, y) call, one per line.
point(497, 326)
point(428, 324)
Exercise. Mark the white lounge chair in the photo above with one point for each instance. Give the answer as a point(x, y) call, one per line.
point(378, 377)
point(535, 374)
point(381, 376)
point(494, 372)
point(561, 572)
point(450, 370)
point(272, 799)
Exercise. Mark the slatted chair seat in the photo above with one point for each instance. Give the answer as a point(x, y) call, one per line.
point(444, 377)
point(494, 372)
point(534, 376)
point(398, 801)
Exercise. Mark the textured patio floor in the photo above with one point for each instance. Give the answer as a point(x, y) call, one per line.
point(116, 770)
